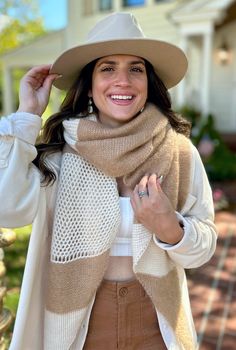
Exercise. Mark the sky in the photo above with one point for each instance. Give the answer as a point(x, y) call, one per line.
point(53, 13)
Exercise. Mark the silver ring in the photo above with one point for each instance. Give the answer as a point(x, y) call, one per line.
point(141, 194)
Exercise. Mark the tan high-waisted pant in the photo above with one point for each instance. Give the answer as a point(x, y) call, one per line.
point(123, 317)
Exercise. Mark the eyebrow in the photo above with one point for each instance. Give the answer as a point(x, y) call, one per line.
point(115, 63)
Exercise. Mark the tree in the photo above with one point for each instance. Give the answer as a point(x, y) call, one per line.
point(23, 26)
point(21, 9)
point(16, 33)
point(24, 23)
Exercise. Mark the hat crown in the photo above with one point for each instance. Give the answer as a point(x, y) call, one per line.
point(120, 34)
point(116, 26)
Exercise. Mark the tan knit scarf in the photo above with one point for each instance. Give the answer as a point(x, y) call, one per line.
point(147, 144)
point(87, 220)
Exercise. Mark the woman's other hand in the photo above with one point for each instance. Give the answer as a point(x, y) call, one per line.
point(153, 210)
point(35, 88)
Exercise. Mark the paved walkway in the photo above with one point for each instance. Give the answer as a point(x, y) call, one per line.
point(213, 290)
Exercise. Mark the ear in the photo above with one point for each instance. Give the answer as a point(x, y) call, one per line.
point(90, 93)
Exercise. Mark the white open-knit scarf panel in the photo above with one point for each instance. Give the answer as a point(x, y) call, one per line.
point(87, 214)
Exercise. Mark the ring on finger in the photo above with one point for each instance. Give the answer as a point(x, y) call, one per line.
point(141, 194)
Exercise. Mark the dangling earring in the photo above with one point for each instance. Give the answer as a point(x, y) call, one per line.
point(90, 105)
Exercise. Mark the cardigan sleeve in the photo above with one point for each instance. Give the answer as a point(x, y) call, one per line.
point(19, 178)
point(197, 216)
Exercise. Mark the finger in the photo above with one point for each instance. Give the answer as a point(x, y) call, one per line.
point(134, 198)
point(152, 185)
point(47, 84)
point(143, 187)
point(136, 203)
point(36, 76)
point(37, 72)
point(41, 69)
point(142, 190)
point(160, 179)
point(159, 182)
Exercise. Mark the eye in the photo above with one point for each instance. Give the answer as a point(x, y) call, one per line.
point(107, 69)
point(137, 69)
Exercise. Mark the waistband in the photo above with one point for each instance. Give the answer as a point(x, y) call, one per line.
point(125, 291)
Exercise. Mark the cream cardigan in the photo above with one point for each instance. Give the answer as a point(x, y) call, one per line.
point(23, 201)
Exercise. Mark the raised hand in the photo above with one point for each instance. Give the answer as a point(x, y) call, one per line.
point(35, 88)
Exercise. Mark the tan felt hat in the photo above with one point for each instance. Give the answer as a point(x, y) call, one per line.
point(120, 33)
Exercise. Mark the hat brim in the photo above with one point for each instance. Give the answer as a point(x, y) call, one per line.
point(169, 62)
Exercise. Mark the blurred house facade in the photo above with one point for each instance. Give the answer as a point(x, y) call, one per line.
point(205, 29)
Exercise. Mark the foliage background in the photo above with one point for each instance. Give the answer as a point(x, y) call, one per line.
point(22, 24)
point(218, 159)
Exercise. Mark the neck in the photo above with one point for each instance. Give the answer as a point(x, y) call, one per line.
point(112, 123)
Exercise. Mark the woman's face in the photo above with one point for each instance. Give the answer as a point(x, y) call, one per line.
point(119, 88)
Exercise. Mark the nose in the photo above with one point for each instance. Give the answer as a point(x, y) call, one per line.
point(122, 78)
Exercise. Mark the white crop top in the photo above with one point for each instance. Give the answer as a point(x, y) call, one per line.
point(122, 245)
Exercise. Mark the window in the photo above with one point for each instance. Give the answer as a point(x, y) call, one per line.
point(105, 5)
point(88, 7)
point(133, 2)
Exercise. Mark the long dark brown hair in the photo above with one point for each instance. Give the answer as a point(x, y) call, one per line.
point(76, 102)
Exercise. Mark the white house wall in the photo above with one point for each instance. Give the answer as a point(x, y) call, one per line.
point(223, 91)
point(153, 20)
point(193, 77)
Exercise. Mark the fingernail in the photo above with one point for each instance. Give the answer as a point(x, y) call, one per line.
point(59, 76)
point(160, 179)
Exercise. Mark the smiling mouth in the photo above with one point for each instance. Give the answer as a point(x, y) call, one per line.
point(121, 97)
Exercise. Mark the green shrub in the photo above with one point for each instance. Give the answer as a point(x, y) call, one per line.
point(219, 161)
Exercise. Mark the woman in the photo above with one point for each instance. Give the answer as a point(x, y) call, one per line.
point(118, 197)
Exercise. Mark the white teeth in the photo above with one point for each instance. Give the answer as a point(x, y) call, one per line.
point(121, 97)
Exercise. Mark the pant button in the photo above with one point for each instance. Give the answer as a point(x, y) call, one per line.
point(123, 291)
